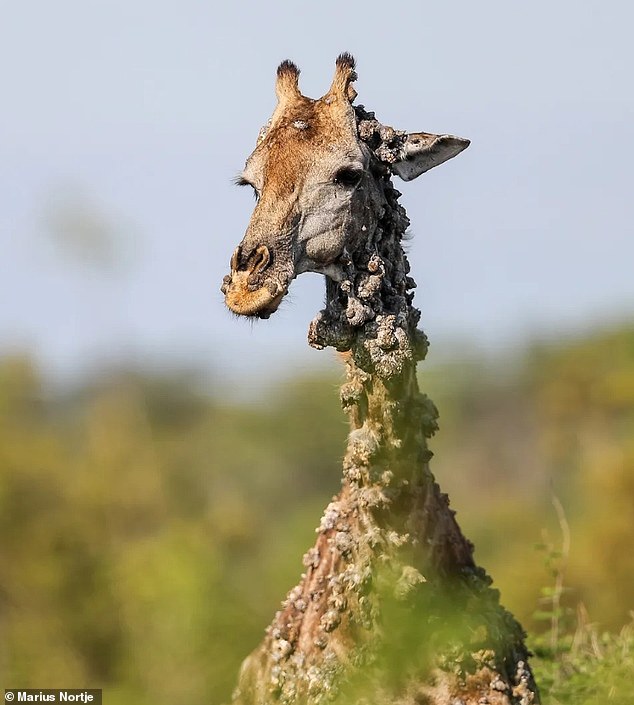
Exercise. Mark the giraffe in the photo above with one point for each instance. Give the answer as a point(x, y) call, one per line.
point(392, 607)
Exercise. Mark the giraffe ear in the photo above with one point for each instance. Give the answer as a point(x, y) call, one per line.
point(422, 151)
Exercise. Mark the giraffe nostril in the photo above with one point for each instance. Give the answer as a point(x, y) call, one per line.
point(262, 259)
point(254, 263)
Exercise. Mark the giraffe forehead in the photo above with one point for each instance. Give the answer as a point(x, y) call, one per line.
point(302, 142)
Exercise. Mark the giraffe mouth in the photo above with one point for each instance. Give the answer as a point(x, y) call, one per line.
point(254, 287)
point(245, 300)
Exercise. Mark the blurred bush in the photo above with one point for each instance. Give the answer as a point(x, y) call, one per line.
point(149, 530)
point(557, 422)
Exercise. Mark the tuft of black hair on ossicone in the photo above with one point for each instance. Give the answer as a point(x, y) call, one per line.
point(287, 67)
point(346, 60)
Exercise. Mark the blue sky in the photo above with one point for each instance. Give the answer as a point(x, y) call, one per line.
point(137, 115)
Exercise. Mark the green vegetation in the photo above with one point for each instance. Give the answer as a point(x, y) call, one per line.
point(149, 530)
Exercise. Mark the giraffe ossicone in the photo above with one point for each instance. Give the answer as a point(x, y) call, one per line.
point(319, 184)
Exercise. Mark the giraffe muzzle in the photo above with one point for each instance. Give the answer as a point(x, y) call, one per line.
point(248, 291)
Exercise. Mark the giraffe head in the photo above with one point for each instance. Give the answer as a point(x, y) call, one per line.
point(317, 189)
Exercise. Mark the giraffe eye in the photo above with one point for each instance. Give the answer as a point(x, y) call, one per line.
point(348, 176)
point(241, 181)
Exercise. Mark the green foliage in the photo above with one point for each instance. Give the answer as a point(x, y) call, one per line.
point(149, 530)
point(588, 668)
point(515, 432)
point(576, 664)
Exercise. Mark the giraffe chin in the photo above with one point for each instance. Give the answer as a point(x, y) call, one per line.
point(260, 303)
